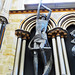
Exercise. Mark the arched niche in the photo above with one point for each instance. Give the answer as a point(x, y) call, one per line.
point(29, 26)
point(67, 22)
point(69, 46)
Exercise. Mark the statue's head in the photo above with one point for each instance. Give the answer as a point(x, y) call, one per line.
point(43, 16)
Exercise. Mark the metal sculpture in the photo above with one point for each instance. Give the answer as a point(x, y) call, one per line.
point(40, 41)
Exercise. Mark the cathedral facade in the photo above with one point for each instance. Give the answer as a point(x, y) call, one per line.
point(17, 28)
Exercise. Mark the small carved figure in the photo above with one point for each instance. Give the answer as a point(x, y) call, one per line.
point(41, 42)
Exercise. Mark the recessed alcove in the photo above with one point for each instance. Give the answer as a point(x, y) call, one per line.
point(69, 46)
point(28, 68)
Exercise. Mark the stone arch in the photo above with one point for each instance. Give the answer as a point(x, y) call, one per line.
point(29, 23)
point(66, 20)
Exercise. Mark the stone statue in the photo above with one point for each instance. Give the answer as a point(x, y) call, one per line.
point(41, 42)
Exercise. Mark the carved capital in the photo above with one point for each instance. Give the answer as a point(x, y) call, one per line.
point(21, 33)
point(3, 20)
point(57, 32)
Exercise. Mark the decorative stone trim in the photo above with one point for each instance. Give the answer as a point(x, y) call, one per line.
point(41, 11)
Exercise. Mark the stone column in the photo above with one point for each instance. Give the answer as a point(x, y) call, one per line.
point(60, 53)
point(6, 8)
point(4, 14)
point(0, 5)
point(3, 22)
point(25, 36)
point(21, 4)
point(1, 25)
point(18, 32)
point(20, 56)
point(16, 64)
point(65, 55)
point(55, 56)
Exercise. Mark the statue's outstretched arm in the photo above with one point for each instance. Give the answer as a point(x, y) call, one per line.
point(46, 7)
point(38, 11)
point(49, 14)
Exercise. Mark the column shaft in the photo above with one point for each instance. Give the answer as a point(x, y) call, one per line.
point(1, 3)
point(22, 58)
point(16, 64)
point(21, 4)
point(6, 8)
point(55, 56)
point(0, 26)
point(60, 53)
point(35, 60)
point(65, 56)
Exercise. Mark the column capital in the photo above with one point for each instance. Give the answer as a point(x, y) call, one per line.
point(23, 34)
point(58, 31)
point(3, 20)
